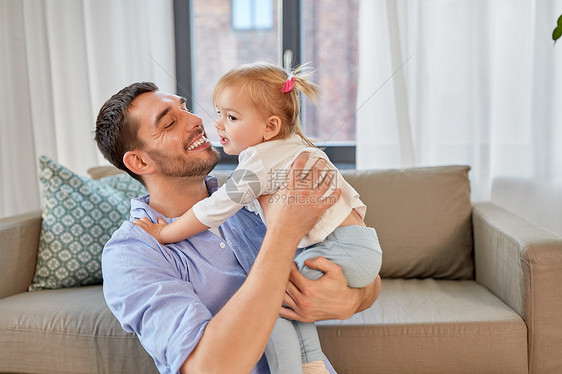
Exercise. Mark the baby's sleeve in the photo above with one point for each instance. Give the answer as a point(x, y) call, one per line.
point(244, 185)
point(217, 208)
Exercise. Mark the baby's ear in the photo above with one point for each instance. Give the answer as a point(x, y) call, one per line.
point(272, 127)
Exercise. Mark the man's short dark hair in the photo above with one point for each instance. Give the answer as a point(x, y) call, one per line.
point(116, 131)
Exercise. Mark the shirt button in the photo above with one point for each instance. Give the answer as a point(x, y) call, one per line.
point(222, 245)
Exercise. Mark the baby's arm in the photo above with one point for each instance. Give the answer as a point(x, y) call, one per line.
point(184, 227)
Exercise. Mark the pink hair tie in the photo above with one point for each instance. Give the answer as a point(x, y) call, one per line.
point(289, 84)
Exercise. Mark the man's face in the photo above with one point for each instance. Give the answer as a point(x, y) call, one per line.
point(173, 137)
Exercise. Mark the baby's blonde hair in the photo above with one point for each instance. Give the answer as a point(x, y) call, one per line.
point(263, 83)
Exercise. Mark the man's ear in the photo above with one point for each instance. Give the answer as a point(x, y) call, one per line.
point(272, 127)
point(135, 161)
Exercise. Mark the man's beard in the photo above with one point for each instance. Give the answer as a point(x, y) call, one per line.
point(179, 167)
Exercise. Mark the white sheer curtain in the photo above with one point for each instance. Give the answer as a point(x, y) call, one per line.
point(474, 82)
point(60, 60)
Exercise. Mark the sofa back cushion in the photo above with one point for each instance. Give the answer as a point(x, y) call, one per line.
point(423, 220)
point(422, 217)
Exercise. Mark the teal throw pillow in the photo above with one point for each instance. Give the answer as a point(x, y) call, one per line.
point(79, 216)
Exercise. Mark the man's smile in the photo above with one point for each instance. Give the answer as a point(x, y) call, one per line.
point(201, 142)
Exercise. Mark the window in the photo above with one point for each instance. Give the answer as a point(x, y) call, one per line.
point(252, 14)
point(213, 36)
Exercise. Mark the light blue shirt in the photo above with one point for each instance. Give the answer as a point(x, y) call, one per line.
point(167, 294)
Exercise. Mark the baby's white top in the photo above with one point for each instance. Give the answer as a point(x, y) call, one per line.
point(261, 170)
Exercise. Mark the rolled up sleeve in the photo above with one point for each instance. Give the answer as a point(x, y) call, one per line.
point(150, 298)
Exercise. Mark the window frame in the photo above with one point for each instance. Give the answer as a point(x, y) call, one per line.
point(342, 154)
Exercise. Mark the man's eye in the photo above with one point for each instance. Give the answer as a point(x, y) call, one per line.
point(170, 125)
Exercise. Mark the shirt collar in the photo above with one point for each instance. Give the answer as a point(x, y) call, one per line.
point(140, 207)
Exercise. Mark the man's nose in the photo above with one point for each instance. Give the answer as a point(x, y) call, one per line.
point(193, 121)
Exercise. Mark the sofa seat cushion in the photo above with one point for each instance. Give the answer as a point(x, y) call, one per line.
point(66, 331)
point(429, 326)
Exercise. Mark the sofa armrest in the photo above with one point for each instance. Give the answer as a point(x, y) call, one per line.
point(522, 264)
point(19, 240)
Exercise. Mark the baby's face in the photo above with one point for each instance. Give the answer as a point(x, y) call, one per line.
point(240, 125)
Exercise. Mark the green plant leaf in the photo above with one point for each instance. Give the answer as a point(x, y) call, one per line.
point(557, 33)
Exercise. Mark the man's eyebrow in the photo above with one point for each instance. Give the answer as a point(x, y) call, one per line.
point(159, 116)
point(182, 100)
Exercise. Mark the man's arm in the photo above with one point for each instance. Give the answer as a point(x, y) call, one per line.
point(235, 338)
point(328, 297)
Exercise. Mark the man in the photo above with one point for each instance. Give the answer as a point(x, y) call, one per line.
point(209, 303)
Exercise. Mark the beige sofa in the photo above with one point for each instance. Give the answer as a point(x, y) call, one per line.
point(467, 288)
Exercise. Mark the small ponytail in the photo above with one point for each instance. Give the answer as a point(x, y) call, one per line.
point(298, 82)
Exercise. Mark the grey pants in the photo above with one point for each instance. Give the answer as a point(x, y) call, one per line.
point(357, 250)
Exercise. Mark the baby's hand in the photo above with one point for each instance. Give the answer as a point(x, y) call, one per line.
point(153, 229)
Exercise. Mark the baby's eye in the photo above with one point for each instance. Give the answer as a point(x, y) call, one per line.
point(231, 117)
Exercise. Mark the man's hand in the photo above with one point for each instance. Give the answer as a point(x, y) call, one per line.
point(300, 202)
point(328, 297)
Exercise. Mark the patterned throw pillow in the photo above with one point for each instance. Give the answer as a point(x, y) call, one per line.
point(79, 216)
